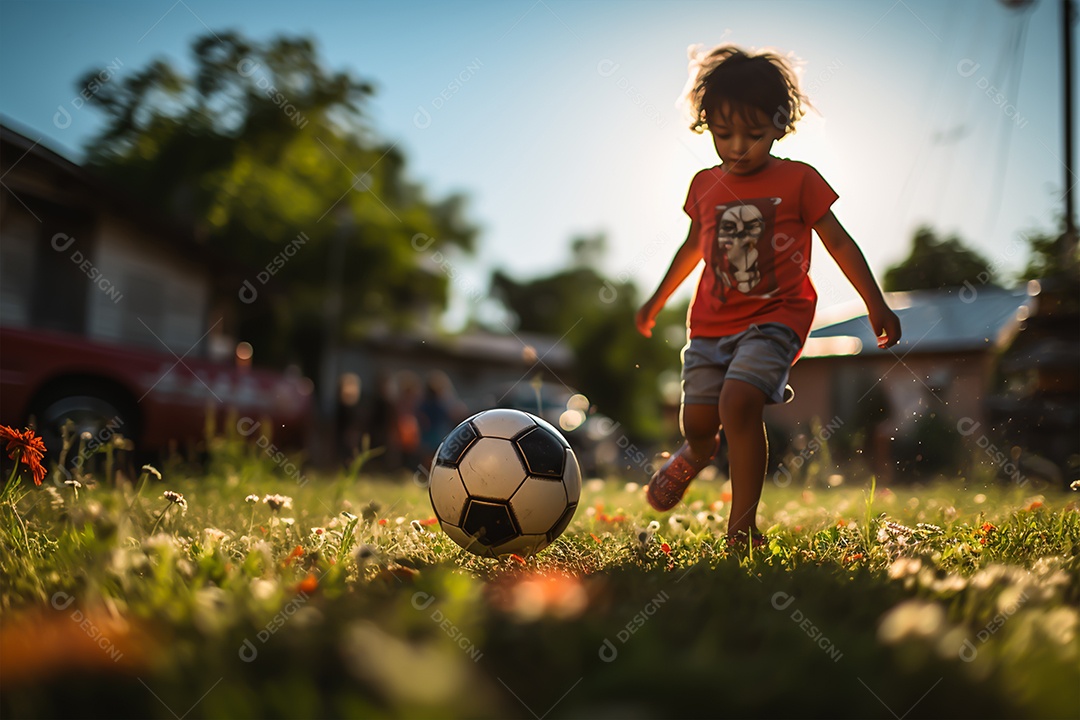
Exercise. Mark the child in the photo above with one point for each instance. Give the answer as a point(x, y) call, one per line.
point(750, 221)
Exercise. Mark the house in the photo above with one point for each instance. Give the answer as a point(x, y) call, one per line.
point(482, 370)
point(918, 392)
point(79, 257)
point(117, 319)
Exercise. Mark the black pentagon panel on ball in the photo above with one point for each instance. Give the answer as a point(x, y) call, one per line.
point(455, 444)
point(552, 429)
point(562, 523)
point(490, 523)
point(542, 453)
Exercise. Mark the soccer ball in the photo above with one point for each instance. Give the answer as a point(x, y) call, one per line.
point(504, 481)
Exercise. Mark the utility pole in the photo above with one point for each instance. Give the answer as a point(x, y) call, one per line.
point(1069, 239)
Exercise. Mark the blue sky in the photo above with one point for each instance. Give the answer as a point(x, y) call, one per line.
point(558, 118)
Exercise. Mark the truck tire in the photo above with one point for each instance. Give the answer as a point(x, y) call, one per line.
point(93, 410)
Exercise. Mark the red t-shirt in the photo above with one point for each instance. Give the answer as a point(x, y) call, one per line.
point(755, 237)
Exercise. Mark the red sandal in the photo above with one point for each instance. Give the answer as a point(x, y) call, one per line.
point(669, 483)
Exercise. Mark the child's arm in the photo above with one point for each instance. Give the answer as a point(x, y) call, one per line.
point(849, 257)
point(686, 259)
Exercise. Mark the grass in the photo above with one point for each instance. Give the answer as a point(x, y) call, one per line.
point(932, 601)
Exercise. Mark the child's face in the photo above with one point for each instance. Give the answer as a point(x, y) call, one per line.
point(743, 140)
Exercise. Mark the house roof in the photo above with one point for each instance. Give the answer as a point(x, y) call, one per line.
point(958, 319)
point(72, 185)
point(524, 349)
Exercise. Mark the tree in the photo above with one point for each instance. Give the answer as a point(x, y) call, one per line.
point(936, 263)
point(261, 146)
point(616, 368)
point(1046, 256)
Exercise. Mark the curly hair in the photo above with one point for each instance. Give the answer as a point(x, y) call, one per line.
point(744, 83)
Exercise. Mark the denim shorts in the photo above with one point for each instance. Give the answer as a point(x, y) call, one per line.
point(760, 355)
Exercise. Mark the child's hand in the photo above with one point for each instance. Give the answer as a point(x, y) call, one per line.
point(646, 317)
point(886, 326)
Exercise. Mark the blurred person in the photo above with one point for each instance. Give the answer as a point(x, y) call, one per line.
point(380, 424)
point(348, 420)
point(750, 221)
point(439, 412)
point(409, 393)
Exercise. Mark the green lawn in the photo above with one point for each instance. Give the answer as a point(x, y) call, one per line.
point(936, 601)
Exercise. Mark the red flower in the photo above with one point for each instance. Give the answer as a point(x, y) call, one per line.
point(382, 521)
point(598, 540)
point(429, 521)
point(666, 548)
point(30, 449)
point(518, 558)
point(308, 584)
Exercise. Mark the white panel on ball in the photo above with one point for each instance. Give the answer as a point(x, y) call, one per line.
point(538, 504)
point(502, 423)
point(462, 538)
point(448, 493)
point(572, 477)
point(491, 469)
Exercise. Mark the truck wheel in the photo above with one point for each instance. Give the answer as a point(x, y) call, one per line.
point(100, 415)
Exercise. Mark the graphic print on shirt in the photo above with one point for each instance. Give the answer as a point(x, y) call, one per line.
point(742, 257)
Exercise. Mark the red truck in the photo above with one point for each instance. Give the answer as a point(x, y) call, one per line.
point(156, 399)
point(122, 320)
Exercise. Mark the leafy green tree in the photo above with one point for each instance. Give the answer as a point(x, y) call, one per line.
point(260, 146)
point(615, 367)
point(936, 263)
point(1046, 257)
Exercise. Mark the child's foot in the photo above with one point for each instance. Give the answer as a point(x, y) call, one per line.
point(737, 541)
point(669, 483)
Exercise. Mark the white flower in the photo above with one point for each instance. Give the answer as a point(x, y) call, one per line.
point(678, 523)
point(911, 618)
point(161, 541)
point(263, 589)
point(55, 499)
point(213, 535)
point(152, 470)
point(903, 567)
point(276, 502)
point(176, 498)
point(251, 499)
point(706, 518)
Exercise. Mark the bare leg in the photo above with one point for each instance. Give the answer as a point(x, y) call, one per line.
point(669, 483)
point(741, 408)
point(699, 425)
